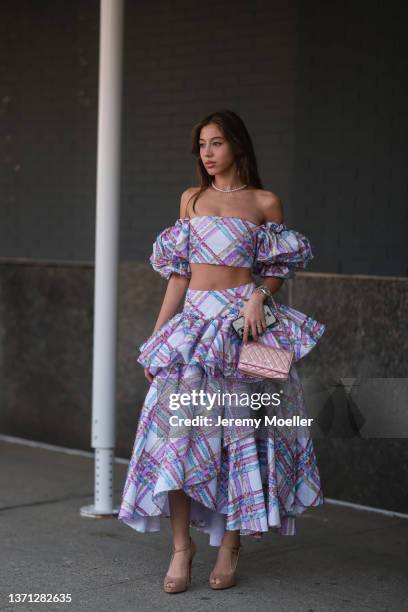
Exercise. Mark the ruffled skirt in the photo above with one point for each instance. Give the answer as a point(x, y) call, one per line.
point(211, 431)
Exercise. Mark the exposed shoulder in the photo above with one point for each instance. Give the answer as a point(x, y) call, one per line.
point(185, 199)
point(270, 206)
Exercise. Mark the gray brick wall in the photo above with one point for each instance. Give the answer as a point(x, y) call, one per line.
point(351, 149)
point(48, 87)
point(181, 61)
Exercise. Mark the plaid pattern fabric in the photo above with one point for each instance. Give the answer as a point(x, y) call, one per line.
point(226, 241)
point(202, 334)
point(270, 249)
point(280, 251)
point(237, 477)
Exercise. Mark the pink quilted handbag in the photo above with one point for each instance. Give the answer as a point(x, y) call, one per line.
point(258, 359)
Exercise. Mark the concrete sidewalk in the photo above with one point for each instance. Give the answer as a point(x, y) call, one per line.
point(341, 559)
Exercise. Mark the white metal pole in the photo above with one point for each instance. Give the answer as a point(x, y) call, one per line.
point(106, 254)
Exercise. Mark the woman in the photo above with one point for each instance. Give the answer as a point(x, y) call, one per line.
point(228, 478)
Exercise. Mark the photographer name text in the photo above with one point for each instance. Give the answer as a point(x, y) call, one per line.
point(207, 421)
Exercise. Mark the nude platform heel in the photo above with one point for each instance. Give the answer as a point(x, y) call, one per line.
point(182, 583)
point(226, 580)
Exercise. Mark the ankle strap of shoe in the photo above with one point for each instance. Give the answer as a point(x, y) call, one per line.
point(234, 548)
point(185, 548)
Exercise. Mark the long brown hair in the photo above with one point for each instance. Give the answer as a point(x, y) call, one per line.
point(234, 130)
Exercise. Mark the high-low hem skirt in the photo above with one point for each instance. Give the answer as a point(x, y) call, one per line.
point(216, 442)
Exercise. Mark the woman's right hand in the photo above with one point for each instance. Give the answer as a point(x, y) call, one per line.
point(148, 375)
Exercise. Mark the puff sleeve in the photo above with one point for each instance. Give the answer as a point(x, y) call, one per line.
point(171, 250)
point(280, 251)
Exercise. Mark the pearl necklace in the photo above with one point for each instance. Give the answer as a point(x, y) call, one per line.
point(227, 190)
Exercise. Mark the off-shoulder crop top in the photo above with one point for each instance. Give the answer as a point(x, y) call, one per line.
point(270, 249)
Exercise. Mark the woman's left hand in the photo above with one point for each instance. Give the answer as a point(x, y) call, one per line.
point(254, 316)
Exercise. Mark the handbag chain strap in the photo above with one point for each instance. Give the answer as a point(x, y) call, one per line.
point(278, 318)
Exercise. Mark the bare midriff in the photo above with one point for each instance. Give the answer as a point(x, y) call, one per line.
point(212, 276)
